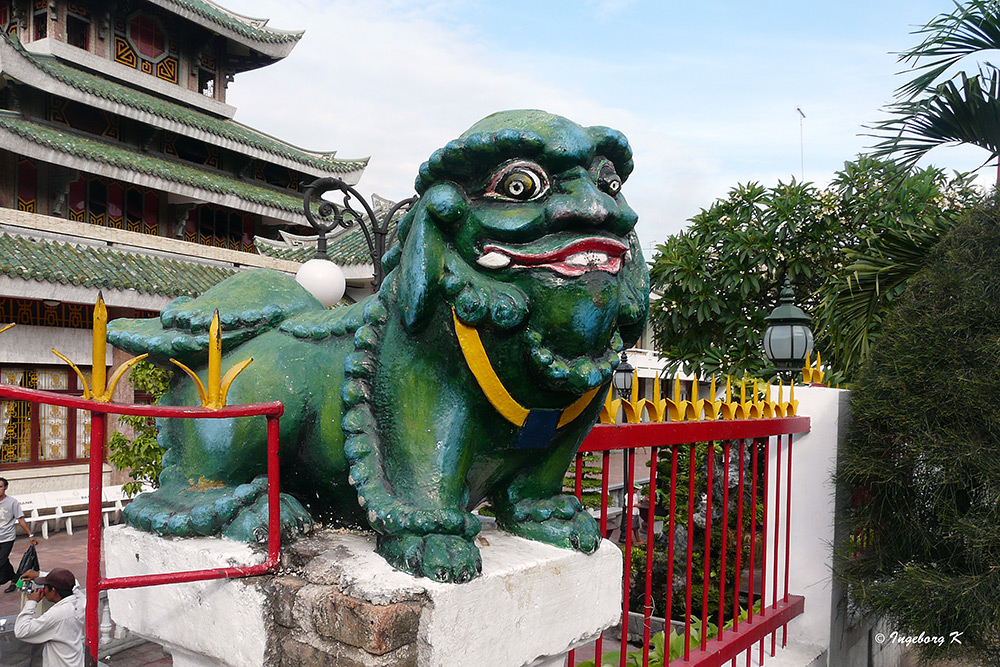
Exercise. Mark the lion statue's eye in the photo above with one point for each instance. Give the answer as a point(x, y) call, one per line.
point(608, 179)
point(522, 181)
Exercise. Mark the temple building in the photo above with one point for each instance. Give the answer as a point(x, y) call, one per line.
point(123, 170)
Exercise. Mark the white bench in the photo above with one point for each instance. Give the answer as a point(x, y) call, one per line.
point(35, 511)
point(67, 505)
point(56, 506)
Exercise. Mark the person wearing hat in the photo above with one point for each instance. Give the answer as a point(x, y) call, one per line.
point(60, 628)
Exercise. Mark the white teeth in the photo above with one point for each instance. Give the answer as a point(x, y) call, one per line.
point(494, 260)
point(590, 258)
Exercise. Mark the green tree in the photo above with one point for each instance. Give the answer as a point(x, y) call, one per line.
point(140, 455)
point(718, 279)
point(943, 103)
point(920, 461)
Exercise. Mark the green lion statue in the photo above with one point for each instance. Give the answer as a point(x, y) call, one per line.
point(474, 373)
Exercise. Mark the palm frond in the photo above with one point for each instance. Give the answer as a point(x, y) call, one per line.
point(973, 27)
point(875, 276)
point(969, 114)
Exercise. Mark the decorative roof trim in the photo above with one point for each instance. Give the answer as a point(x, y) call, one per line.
point(250, 32)
point(57, 146)
point(40, 52)
point(59, 78)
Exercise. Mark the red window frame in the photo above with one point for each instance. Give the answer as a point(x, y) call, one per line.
point(73, 457)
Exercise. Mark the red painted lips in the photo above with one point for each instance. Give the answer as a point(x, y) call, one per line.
point(574, 259)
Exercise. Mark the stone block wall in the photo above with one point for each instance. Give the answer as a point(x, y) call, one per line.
point(335, 602)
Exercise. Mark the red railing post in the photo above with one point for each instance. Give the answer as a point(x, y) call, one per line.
point(650, 533)
point(709, 463)
point(98, 422)
point(629, 498)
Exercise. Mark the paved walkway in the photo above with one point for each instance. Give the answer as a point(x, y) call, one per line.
point(70, 552)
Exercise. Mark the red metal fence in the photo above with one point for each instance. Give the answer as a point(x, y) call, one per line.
point(741, 512)
point(99, 415)
point(743, 569)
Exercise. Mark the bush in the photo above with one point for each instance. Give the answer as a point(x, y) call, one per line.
point(140, 455)
point(921, 462)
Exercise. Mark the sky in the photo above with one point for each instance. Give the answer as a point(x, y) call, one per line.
point(707, 92)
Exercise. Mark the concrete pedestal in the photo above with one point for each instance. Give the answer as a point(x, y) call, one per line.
point(336, 602)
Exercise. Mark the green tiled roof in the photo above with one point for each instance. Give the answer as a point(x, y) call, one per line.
point(145, 102)
point(226, 20)
point(347, 249)
point(92, 266)
point(298, 254)
point(125, 158)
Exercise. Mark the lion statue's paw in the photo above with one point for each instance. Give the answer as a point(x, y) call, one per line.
point(560, 521)
point(250, 522)
point(205, 507)
point(446, 558)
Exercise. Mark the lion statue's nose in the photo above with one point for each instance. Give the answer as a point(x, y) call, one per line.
point(582, 203)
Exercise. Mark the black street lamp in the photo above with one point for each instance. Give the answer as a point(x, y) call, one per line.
point(622, 381)
point(378, 238)
point(788, 340)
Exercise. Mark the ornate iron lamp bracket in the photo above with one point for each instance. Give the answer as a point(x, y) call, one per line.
point(329, 216)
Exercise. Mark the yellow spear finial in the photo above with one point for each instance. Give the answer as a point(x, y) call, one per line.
point(214, 396)
point(100, 388)
point(214, 362)
point(99, 370)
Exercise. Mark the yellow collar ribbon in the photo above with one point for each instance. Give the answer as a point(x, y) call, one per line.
point(498, 396)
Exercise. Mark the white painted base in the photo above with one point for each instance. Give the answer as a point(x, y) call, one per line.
point(532, 603)
point(219, 622)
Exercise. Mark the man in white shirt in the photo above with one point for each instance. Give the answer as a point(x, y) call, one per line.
point(60, 628)
point(10, 516)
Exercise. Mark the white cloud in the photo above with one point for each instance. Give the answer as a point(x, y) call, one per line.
point(703, 109)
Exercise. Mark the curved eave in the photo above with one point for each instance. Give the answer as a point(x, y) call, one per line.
point(27, 70)
point(249, 32)
point(55, 146)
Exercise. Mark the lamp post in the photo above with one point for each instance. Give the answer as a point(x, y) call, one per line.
point(622, 381)
point(788, 338)
point(378, 237)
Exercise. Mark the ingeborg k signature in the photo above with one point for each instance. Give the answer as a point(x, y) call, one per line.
point(895, 637)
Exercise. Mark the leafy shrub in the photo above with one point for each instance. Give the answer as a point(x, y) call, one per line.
point(921, 461)
point(140, 455)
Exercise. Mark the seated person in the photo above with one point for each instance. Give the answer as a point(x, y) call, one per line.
point(60, 628)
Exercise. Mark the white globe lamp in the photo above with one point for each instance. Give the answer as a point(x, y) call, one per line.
point(323, 279)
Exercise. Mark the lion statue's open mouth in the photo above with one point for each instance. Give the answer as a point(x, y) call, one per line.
point(474, 373)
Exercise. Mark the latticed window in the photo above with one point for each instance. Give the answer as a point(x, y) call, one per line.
point(84, 117)
point(78, 26)
point(34, 434)
point(147, 36)
point(220, 227)
point(143, 44)
point(108, 203)
point(27, 186)
point(40, 19)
